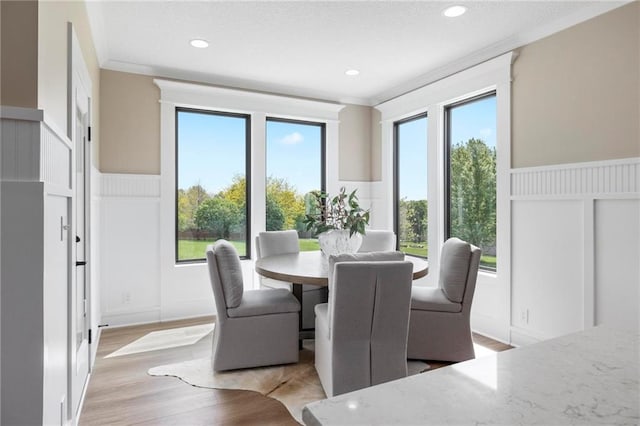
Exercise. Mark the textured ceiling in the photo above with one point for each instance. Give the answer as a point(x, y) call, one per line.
point(303, 48)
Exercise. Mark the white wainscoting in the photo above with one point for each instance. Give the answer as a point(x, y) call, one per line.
point(129, 248)
point(575, 248)
point(35, 172)
point(133, 289)
point(33, 149)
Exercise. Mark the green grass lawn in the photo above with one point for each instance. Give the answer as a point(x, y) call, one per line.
point(309, 244)
point(415, 249)
point(194, 249)
point(421, 249)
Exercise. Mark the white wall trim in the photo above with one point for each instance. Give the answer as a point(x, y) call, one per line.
point(129, 185)
point(129, 317)
point(234, 100)
point(129, 227)
point(20, 113)
point(33, 149)
point(548, 189)
point(620, 176)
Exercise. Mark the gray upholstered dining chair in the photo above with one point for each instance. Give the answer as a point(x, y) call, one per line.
point(361, 334)
point(377, 240)
point(439, 324)
point(255, 327)
point(272, 243)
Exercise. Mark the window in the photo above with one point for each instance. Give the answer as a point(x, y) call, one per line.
point(212, 175)
point(471, 174)
point(295, 158)
point(410, 163)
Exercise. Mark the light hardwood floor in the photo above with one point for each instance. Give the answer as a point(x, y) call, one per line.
point(121, 393)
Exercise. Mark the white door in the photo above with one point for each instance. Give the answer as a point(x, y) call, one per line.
point(79, 294)
point(79, 346)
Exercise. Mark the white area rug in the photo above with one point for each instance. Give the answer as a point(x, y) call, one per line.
point(294, 385)
point(165, 339)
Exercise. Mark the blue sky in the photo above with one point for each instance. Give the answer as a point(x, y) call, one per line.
point(211, 151)
point(294, 153)
point(212, 148)
point(475, 120)
point(472, 120)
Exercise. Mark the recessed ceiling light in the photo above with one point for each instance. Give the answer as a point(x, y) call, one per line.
point(199, 43)
point(352, 72)
point(454, 11)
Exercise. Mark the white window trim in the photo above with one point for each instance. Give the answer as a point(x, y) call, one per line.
point(259, 106)
point(491, 75)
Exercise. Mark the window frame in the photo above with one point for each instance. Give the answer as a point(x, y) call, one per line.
point(247, 128)
point(447, 163)
point(323, 146)
point(396, 173)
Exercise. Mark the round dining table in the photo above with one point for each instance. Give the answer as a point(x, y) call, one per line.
point(311, 267)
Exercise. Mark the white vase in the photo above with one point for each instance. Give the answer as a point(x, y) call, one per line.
point(338, 241)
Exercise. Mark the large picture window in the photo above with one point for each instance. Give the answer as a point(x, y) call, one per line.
point(295, 159)
point(410, 164)
point(212, 175)
point(471, 174)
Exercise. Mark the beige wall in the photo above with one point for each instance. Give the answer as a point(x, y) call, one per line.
point(355, 143)
point(52, 60)
point(376, 145)
point(576, 94)
point(130, 133)
point(19, 53)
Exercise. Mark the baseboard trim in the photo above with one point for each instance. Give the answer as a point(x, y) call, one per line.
point(489, 327)
point(187, 309)
point(522, 337)
point(124, 319)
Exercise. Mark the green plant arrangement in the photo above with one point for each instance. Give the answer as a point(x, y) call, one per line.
point(341, 212)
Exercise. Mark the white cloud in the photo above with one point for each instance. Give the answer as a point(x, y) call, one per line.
point(292, 139)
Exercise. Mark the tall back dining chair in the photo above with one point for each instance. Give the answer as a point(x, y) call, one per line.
point(439, 325)
point(272, 243)
point(377, 240)
point(253, 327)
point(361, 334)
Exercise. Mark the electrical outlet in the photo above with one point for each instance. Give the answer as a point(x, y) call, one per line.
point(126, 297)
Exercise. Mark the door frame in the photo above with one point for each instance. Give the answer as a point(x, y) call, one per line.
point(78, 76)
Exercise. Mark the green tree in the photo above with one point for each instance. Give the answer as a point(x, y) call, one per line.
point(275, 216)
point(236, 192)
point(416, 220)
point(404, 231)
point(287, 198)
point(473, 192)
point(188, 202)
point(219, 215)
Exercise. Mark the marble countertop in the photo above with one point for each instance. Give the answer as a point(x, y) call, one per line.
point(590, 377)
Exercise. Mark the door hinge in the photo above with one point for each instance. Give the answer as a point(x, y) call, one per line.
point(89, 133)
point(90, 340)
